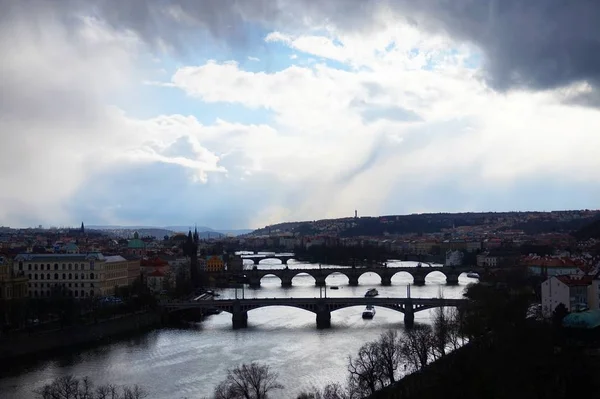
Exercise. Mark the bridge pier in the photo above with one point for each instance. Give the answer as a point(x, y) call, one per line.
point(419, 279)
point(353, 281)
point(409, 315)
point(239, 319)
point(286, 282)
point(320, 281)
point(323, 319)
point(452, 279)
point(386, 280)
point(254, 282)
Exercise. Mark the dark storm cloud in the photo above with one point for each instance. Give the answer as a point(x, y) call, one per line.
point(535, 44)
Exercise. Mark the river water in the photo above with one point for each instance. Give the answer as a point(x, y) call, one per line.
point(190, 362)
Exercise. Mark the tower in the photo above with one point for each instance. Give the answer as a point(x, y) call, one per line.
point(190, 249)
point(82, 230)
point(355, 214)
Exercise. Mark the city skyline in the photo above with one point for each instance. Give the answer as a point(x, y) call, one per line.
point(239, 116)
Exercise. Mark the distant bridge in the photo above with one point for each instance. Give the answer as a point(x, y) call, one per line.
point(256, 258)
point(322, 307)
point(254, 276)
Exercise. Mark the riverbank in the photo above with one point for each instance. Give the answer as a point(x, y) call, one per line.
point(23, 346)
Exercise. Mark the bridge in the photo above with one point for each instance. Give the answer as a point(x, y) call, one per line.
point(322, 307)
point(254, 276)
point(256, 258)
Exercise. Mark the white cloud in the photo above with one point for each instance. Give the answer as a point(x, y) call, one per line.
point(320, 155)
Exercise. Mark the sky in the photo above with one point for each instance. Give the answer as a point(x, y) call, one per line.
point(239, 114)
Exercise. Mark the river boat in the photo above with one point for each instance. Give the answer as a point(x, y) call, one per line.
point(372, 292)
point(334, 287)
point(472, 275)
point(369, 312)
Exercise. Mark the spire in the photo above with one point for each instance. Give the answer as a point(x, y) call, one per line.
point(196, 236)
point(82, 228)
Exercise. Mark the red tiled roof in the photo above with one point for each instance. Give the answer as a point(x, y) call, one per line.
point(157, 273)
point(573, 282)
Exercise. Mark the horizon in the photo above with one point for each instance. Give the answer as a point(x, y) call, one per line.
point(202, 228)
point(250, 115)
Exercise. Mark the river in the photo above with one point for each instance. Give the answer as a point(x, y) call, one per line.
point(189, 363)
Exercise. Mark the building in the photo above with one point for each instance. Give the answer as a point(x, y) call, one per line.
point(79, 275)
point(454, 258)
point(215, 263)
point(136, 246)
point(115, 274)
point(12, 286)
point(571, 291)
point(156, 281)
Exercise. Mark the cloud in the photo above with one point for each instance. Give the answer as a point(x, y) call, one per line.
point(538, 44)
point(387, 110)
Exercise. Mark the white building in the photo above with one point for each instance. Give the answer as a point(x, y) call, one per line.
point(572, 291)
point(78, 275)
point(454, 258)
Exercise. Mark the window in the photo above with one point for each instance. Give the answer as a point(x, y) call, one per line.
point(20, 265)
point(82, 276)
point(76, 276)
point(70, 276)
point(56, 266)
point(48, 266)
point(82, 293)
point(64, 266)
point(29, 267)
point(64, 276)
point(70, 266)
point(29, 276)
point(76, 293)
point(35, 267)
point(56, 276)
point(47, 276)
point(91, 276)
point(76, 266)
point(41, 276)
point(69, 285)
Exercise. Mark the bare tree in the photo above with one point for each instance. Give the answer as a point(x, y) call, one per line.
point(441, 332)
point(389, 355)
point(416, 345)
point(366, 371)
point(331, 391)
point(248, 381)
point(69, 387)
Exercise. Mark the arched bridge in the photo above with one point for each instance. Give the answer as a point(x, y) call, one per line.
point(284, 258)
point(253, 277)
point(322, 307)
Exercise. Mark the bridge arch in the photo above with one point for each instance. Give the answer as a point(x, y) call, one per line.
point(337, 278)
point(303, 279)
point(403, 276)
point(270, 278)
point(367, 274)
point(259, 260)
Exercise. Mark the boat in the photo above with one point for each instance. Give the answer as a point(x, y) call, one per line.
point(334, 287)
point(472, 275)
point(369, 312)
point(372, 292)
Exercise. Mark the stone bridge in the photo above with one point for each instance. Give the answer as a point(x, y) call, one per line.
point(322, 307)
point(284, 258)
point(253, 277)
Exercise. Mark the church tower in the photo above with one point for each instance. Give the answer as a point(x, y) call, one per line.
point(190, 249)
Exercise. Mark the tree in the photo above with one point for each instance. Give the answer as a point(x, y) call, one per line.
point(559, 313)
point(248, 381)
point(69, 387)
point(416, 346)
point(365, 370)
point(331, 391)
point(388, 353)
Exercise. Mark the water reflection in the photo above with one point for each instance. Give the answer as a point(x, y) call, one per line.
point(177, 363)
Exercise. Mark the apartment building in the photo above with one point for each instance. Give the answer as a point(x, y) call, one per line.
point(79, 275)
